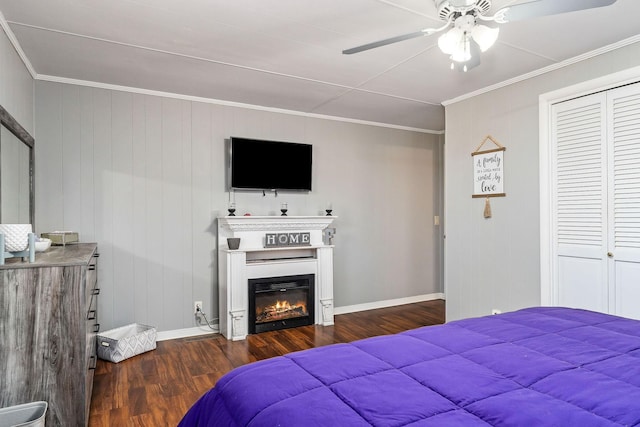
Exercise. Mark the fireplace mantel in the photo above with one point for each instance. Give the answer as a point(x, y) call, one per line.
point(253, 260)
point(277, 223)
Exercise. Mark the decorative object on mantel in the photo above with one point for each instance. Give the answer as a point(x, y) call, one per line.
point(17, 241)
point(327, 235)
point(276, 240)
point(233, 242)
point(284, 208)
point(488, 172)
point(232, 209)
point(329, 209)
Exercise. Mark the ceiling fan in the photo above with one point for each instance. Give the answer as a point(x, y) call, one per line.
point(467, 37)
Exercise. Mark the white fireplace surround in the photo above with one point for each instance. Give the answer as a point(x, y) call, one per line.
point(253, 261)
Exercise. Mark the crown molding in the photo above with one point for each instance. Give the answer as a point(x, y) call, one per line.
point(108, 86)
point(550, 68)
point(14, 42)
point(198, 58)
point(43, 77)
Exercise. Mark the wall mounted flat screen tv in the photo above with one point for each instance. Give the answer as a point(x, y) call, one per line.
point(270, 165)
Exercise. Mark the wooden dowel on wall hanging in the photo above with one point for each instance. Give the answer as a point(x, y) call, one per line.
point(478, 196)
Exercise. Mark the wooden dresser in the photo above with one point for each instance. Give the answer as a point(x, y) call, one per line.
point(48, 326)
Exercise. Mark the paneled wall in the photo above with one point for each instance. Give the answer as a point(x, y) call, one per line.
point(495, 263)
point(16, 84)
point(144, 177)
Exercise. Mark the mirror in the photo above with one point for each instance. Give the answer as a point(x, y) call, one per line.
point(16, 172)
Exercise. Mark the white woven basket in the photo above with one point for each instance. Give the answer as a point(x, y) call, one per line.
point(118, 344)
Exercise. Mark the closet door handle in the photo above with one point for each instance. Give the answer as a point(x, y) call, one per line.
point(610, 254)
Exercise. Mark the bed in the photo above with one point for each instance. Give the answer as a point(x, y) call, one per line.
point(543, 366)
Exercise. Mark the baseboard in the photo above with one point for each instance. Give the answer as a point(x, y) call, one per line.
point(187, 332)
point(203, 330)
point(387, 303)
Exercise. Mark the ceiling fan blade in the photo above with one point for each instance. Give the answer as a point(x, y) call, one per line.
point(386, 42)
point(537, 8)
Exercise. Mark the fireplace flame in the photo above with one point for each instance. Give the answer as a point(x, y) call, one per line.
point(281, 310)
point(282, 305)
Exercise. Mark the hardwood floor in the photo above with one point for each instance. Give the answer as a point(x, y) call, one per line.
point(158, 387)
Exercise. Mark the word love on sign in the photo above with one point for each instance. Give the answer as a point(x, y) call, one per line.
point(276, 240)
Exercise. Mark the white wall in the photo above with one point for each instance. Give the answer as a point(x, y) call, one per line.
point(16, 84)
point(495, 263)
point(144, 176)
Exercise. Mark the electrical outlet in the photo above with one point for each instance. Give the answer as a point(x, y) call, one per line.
point(496, 311)
point(197, 305)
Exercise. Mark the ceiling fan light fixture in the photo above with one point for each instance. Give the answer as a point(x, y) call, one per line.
point(462, 50)
point(449, 41)
point(484, 36)
point(461, 55)
point(455, 43)
point(473, 58)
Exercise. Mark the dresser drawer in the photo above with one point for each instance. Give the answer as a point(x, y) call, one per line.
point(91, 278)
point(92, 325)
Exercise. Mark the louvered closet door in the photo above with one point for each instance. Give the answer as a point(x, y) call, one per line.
point(623, 107)
point(579, 203)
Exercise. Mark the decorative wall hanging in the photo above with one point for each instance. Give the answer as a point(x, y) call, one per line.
point(488, 172)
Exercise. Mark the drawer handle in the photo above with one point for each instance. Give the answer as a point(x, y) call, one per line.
point(96, 328)
point(96, 255)
point(96, 291)
point(92, 366)
point(91, 315)
point(92, 267)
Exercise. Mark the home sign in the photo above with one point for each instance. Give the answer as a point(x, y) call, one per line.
point(276, 240)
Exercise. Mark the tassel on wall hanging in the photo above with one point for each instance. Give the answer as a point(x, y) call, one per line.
point(487, 208)
point(488, 173)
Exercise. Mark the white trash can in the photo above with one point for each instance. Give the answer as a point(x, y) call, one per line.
point(26, 415)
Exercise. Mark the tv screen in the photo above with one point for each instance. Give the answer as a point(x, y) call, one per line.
point(270, 165)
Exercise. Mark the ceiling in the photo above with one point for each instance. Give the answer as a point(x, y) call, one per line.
point(286, 54)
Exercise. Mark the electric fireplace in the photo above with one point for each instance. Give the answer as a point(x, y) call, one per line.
point(281, 302)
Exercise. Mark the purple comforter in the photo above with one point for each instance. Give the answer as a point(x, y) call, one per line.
point(533, 367)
